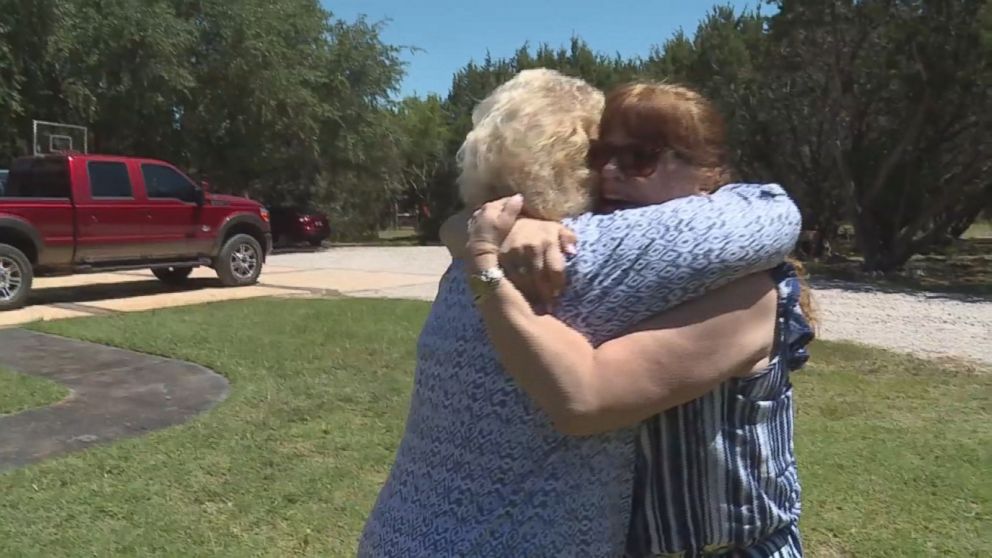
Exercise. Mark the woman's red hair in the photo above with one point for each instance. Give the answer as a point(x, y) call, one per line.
point(679, 120)
point(673, 118)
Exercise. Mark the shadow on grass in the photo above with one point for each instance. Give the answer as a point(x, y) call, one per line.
point(384, 242)
point(962, 272)
point(855, 284)
point(81, 294)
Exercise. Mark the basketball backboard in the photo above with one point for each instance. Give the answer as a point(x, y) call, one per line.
point(55, 137)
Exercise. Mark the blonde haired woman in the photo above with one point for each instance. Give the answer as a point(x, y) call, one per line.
point(487, 465)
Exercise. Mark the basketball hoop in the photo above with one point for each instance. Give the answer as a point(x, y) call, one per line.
point(57, 138)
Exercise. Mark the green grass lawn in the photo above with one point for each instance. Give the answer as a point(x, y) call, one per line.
point(894, 451)
point(402, 233)
point(894, 454)
point(19, 392)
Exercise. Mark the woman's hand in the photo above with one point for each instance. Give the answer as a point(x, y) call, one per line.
point(530, 251)
point(454, 233)
point(533, 257)
point(489, 227)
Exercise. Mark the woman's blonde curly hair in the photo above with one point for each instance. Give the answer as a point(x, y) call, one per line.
point(531, 136)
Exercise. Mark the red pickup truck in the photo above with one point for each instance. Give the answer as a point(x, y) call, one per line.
point(68, 214)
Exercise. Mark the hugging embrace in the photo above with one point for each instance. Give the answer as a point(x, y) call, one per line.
point(605, 369)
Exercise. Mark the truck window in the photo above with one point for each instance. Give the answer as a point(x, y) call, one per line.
point(37, 178)
point(109, 180)
point(165, 183)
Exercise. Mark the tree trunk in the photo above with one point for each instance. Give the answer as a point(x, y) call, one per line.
point(887, 260)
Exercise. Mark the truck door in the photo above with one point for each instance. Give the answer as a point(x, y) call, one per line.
point(110, 226)
point(171, 202)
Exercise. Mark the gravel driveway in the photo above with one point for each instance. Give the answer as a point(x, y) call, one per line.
point(925, 324)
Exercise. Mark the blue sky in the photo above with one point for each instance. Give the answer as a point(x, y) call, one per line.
point(452, 32)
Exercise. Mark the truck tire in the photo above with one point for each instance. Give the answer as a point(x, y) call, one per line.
point(172, 275)
point(16, 276)
point(240, 261)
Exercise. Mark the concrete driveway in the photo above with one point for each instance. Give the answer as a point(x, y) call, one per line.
point(408, 272)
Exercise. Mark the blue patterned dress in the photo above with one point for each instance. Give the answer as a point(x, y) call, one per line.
point(480, 470)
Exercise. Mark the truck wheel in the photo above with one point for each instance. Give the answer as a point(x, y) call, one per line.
point(316, 243)
point(240, 261)
point(172, 275)
point(16, 276)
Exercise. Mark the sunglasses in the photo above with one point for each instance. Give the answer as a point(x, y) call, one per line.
point(633, 160)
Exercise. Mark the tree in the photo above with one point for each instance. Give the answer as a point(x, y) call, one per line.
point(899, 91)
point(119, 75)
point(423, 138)
point(869, 112)
point(31, 80)
point(122, 76)
point(358, 146)
point(278, 100)
point(10, 96)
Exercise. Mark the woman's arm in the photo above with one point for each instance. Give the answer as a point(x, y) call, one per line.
point(634, 264)
point(664, 362)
